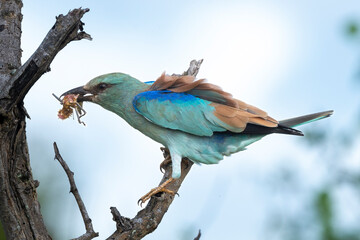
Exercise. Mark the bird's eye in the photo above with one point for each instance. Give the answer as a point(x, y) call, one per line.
point(102, 86)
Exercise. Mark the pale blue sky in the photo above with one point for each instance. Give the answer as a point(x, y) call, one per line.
point(285, 57)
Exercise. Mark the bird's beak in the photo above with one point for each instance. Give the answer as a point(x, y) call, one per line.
point(84, 95)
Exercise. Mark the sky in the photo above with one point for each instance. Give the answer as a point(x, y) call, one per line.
point(288, 58)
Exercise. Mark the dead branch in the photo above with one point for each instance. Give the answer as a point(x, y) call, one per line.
point(198, 236)
point(90, 233)
point(122, 223)
point(19, 207)
point(66, 29)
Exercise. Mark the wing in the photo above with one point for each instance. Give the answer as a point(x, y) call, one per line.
point(196, 107)
point(179, 111)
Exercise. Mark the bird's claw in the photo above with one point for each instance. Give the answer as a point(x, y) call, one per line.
point(156, 190)
point(165, 163)
point(167, 159)
point(165, 151)
point(153, 192)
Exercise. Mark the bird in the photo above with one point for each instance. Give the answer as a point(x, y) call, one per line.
point(190, 117)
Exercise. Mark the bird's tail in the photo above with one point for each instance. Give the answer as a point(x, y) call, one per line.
point(286, 126)
point(297, 121)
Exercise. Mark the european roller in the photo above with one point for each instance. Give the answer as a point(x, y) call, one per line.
point(192, 118)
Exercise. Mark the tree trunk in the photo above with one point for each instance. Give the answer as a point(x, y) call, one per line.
point(19, 208)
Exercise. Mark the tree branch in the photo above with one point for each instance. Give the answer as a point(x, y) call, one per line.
point(90, 233)
point(198, 236)
point(66, 29)
point(148, 219)
point(122, 223)
point(19, 207)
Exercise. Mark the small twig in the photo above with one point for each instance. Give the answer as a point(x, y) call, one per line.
point(198, 236)
point(194, 68)
point(90, 233)
point(122, 223)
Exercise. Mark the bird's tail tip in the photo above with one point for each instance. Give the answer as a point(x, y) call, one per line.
point(297, 121)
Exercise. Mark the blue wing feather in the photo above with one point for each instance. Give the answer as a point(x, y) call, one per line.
point(179, 111)
point(149, 82)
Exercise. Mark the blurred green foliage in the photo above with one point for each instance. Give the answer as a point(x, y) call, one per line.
point(2, 234)
point(343, 176)
point(319, 215)
point(352, 29)
point(323, 206)
point(315, 136)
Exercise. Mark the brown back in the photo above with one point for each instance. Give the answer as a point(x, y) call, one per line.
point(233, 112)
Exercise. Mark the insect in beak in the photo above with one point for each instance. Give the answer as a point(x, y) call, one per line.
point(70, 104)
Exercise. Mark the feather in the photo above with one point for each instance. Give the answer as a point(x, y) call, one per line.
point(199, 88)
point(233, 112)
point(297, 121)
point(238, 118)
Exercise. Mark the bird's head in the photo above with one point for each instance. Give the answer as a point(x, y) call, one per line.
point(106, 88)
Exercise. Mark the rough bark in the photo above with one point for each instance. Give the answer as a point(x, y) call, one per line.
point(19, 208)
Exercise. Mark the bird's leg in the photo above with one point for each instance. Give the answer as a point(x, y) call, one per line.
point(156, 190)
point(162, 187)
point(167, 159)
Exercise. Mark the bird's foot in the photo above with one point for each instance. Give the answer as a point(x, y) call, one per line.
point(156, 190)
point(165, 163)
point(165, 151)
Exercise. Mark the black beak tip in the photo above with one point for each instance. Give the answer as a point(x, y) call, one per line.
point(79, 90)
